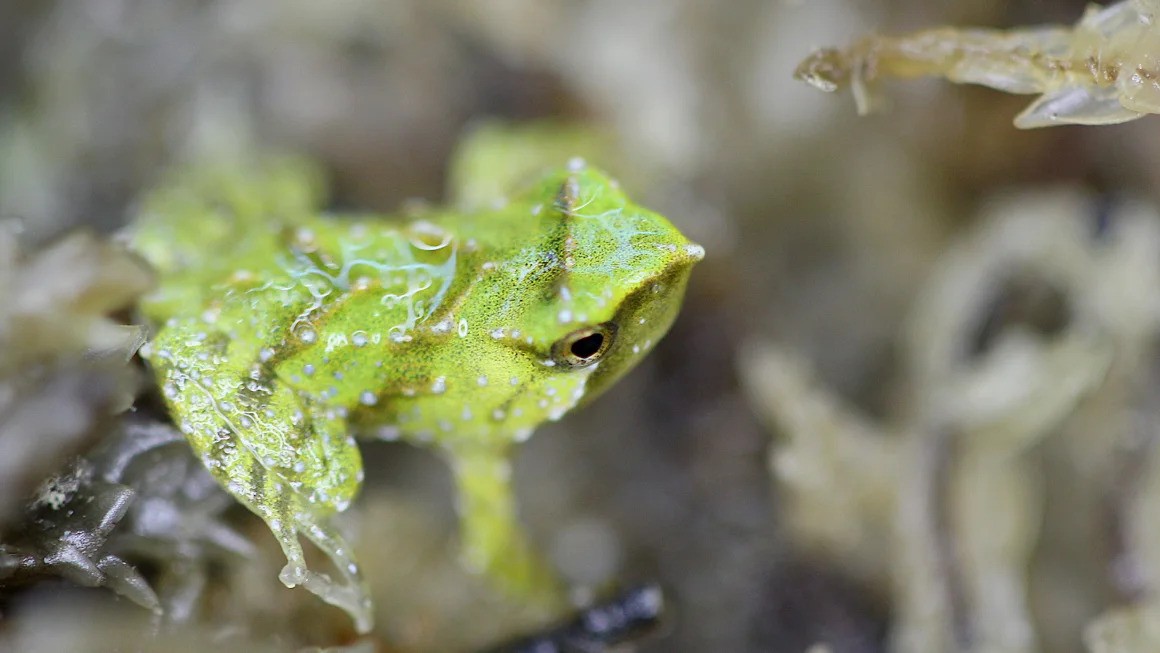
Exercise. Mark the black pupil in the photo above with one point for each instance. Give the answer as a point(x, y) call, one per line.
point(587, 346)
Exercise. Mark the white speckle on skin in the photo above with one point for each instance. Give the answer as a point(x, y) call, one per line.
point(462, 328)
point(307, 335)
point(642, 320)
point(564, 316)
point(388, 433)
point(536, 209)
point(498, 414)
point(368, 398)
point(636, 349)
point(522, 435)
point(576, 164)
point(338, 376)
point(488, 266)
point(265, 354)
point(442, 327)
point(335, 340)
point(299, 466)
point(497, 333)
point(481, 381)
point(515, 380)
point(445, 426)
point(359, 338)
point(308, 369)
point(695, 251)
point(439, 386)
point(548, 363)
point(466, 416)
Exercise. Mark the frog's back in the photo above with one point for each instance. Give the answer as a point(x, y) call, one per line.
point(209, 223)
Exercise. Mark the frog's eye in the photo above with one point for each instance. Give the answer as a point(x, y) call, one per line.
point(585, 346)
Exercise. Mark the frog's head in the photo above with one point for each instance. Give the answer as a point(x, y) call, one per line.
point(596, 291)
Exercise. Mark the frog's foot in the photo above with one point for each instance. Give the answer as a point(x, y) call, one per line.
point(349, 591)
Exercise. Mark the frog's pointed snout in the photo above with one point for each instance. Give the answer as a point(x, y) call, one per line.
point(694, 252)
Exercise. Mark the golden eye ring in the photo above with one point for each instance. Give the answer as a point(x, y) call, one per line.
point(583, 347)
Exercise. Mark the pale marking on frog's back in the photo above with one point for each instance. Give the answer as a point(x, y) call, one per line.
point(414, 288)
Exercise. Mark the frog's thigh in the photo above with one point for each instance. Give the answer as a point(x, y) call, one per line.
point(492, 538)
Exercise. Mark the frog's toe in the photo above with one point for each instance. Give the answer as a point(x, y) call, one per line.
point(293, 574)
point(352, 598)
point(348, 590)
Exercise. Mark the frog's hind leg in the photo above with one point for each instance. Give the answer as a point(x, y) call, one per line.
point(289, 463)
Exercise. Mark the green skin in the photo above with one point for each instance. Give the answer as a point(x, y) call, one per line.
point(281, 332)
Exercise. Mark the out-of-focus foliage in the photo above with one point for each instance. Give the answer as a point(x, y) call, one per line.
point(1104, 71)
point(63, 362)
point(821, 232)
point(1017, 326)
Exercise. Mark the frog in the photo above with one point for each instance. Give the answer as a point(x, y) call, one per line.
point(281, 332)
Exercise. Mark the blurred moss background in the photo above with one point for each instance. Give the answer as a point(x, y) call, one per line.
point(822, 229)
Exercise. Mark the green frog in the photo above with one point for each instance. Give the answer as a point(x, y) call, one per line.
point(280, 333)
